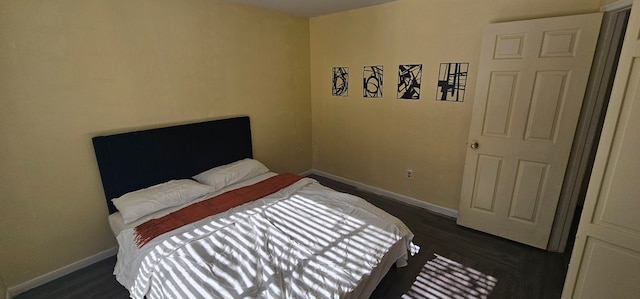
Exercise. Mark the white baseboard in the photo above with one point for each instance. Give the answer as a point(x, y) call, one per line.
point(38, 281)
point(406, 199)
point(306, 173)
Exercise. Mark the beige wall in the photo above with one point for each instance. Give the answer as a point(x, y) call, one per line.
point(3, 288)
point(70, 70)
point(374, 141)
point(605, 2)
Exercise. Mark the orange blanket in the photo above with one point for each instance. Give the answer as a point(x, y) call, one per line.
point(149, 230)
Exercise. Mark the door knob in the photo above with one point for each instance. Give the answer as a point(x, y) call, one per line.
point(474, 145)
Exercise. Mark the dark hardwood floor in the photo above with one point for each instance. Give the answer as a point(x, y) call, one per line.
point(521, 271)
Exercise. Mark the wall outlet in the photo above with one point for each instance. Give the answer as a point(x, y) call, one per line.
point(409, 173)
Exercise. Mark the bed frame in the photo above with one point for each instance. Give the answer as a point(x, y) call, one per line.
point(140, 159)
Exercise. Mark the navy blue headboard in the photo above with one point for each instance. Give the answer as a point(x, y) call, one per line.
point(140, 159)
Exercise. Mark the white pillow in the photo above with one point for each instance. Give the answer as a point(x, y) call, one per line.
point(136, 204)
point(225, 175)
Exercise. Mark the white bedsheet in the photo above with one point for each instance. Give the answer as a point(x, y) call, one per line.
point(305, 241)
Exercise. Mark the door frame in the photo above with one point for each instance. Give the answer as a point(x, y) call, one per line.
point(590, 123)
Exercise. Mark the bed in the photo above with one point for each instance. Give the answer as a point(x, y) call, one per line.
point(297, 240)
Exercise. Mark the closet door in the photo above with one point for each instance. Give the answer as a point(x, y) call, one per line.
point(605, 262)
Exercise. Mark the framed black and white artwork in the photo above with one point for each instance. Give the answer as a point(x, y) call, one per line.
point(340, 81)
point(409, 80)
point(372, 81)
point(452, 81)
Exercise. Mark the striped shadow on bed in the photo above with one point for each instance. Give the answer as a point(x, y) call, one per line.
point(305, 241)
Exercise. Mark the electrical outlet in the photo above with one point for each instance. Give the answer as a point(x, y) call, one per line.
point(409, 173)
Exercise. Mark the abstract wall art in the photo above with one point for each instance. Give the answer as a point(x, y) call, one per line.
point(409, 78)
point(372, 81)
point(452, 81)
point(340, 81)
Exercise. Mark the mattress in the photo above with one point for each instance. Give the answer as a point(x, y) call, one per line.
point(304, 241)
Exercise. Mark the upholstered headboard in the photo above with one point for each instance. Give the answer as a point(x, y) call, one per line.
point(140, 159)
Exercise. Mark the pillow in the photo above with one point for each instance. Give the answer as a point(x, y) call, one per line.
point(136, 204)
point(225, 175)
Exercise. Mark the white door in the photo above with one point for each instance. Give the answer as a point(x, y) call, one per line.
point(531, 81)
point(606, 257)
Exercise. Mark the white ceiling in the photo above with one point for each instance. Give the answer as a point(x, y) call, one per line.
point(312, 8)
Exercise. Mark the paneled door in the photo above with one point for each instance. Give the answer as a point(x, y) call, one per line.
point(531, 81)
point(605, 262)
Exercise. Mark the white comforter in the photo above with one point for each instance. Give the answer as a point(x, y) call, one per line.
point(305, 241)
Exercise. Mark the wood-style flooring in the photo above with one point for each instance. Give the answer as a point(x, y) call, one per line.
point(521, 271)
